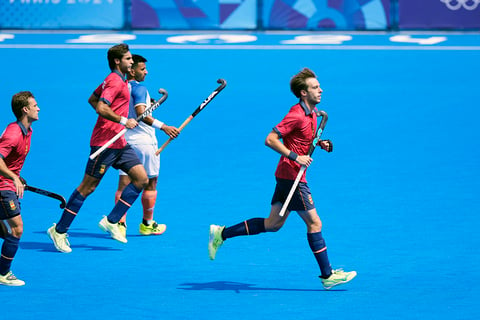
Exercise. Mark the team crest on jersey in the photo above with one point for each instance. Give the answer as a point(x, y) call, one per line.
point(12, 205)
point(102, 169)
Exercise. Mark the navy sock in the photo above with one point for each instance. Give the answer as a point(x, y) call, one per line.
point(70, 212)
point(9, 249)
point(246, 228)
point(319, 249)
point(128, 197)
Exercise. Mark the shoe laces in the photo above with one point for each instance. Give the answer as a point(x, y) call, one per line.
point(64, 237)
point(11, 276)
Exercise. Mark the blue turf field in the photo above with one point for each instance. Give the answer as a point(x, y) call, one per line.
point(398, 196)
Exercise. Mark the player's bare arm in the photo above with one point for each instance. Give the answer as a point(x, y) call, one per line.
point(93, 100)
point(105, 111)
point(7, 173)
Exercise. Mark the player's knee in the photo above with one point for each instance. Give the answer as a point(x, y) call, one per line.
point(140, 182)
point(86, 191)
point(17, 231)
point(144, 182)
point(273, 226)
point(276, 227)
point(315, 226)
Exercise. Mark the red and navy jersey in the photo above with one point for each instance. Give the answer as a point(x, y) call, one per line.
point(297, 130)
point(114, 92)
point(14, 147)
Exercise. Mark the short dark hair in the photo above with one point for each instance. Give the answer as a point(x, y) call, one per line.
point(19, 101)
point(116, 52)
point(299, 81)
point(137, 59)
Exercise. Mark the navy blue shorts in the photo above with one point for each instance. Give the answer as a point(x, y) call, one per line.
point(302, 197)
point(9, 205)
point(123, 159)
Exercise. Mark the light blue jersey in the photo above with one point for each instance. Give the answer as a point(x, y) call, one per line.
point(143, 133)
point(142, 138)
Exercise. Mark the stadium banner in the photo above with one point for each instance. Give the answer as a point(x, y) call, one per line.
point(61, 14)
point(326, 14)
point(199, 14)
point(439, 14)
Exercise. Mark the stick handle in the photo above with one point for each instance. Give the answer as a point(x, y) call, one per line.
point(170, 139)
point(108, 144)
point(139, 118)
point(292, 190)
point(222, 85)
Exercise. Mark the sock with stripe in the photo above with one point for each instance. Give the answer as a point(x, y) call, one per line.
point(128, 197)
point(319, 249)
point(70, 212)
point(118, 194)
point(246, 228)
point(9, 249)
point(149, 197)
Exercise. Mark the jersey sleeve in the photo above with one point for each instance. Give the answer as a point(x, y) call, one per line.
point(139, 95)
point(7, 141)
point(110, 90)
point(97, 93)
point(287, 125)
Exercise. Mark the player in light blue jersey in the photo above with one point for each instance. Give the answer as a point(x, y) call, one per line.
point(143, 140)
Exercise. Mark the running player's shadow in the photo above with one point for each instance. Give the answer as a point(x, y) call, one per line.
point(238, 287)
point(49, 247)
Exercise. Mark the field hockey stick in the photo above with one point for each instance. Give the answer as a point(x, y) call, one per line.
point(321, 126)
point(50, 194)
point(222, 85)
point(146, 113)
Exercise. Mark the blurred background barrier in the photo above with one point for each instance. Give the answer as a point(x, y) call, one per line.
point(62, 14)
point(439, 14)
point(241, 14)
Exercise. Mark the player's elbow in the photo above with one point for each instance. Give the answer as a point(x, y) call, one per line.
point(271, 139)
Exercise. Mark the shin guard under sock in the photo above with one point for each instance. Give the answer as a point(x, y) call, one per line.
point(128, 197)
point(9, 249)
point(319, 249)
point(70, 212)
point(118, 194)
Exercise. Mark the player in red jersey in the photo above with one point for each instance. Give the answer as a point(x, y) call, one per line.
point(14, 147)
point(297, 130)
point(111, 101)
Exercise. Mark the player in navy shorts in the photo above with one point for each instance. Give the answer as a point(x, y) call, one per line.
point(14, 147)
point(297, 130)
point(110, 100)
